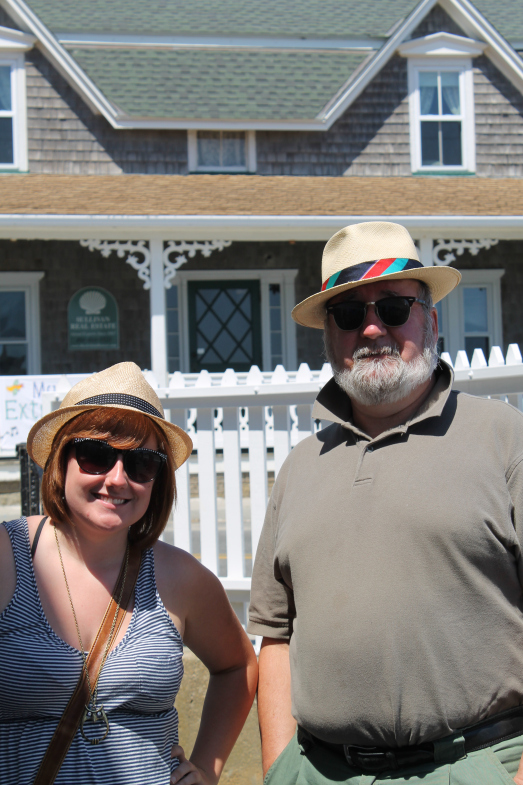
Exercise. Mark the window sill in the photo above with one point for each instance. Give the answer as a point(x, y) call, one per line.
point(443, 173)
point(220, 171)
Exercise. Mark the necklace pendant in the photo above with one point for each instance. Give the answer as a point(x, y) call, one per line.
point(94, 714)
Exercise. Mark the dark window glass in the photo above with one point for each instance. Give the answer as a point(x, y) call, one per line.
point(5, 88)
point(274, 295)
point(13, 359)
point(12, 315)
point(6, 140)
point(429, 143)
point(451, 143)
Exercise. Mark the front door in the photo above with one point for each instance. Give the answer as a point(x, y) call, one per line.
point(224, 325)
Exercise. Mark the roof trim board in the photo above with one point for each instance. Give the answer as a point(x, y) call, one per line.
point(247, 228)
point(498, 49)
point(212, 42)
point(60, 58)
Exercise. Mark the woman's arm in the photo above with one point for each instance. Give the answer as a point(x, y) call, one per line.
point(213, 632)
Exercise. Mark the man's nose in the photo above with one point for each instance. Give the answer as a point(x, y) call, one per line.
point(372, 327)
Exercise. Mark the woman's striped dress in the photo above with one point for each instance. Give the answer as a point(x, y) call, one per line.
point(39, 671)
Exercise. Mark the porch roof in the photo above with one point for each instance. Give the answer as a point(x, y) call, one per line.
point(251, 195)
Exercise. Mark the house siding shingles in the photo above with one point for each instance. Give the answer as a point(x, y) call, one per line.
point(499, 123)
point(371, 138)
point(66, 137)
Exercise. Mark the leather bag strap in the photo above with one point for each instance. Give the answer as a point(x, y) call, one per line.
point(70, 720)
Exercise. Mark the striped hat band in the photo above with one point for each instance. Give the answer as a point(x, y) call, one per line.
point(359, 272)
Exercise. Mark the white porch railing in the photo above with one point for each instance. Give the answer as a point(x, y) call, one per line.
point(243, 427)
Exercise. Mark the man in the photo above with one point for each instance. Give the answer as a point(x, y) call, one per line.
point(388, 579)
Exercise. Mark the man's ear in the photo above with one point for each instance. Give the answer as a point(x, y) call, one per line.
point(435, 326)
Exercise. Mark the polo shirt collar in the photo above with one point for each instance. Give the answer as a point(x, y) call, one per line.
point(333, 405)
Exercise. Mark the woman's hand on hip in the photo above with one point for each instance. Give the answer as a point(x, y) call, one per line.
point(187, 773)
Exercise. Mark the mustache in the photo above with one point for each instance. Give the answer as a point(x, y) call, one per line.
point(382, 351)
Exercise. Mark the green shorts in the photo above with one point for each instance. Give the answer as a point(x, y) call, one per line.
point(495, 765)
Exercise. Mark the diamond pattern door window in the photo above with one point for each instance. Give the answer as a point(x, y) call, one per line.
point(224, 325)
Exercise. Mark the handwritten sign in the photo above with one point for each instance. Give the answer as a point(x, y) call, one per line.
point(21, 406)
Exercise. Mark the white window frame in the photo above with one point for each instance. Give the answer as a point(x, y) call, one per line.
point(443, 52)
point(13, 45)
point(250, 154)
point(453, 312)
point(30, 284)
point(285, 278)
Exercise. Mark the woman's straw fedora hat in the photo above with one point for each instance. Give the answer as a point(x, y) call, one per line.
point(367, 252)
point(121, 386)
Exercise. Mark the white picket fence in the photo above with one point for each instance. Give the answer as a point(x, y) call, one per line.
point(243, 427)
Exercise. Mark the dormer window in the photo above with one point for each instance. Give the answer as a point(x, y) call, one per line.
point(441, 103)
point(222, 151)
point(7, 116)
point(13, 123)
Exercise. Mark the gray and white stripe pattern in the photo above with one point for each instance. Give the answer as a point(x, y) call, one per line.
point(39, 671)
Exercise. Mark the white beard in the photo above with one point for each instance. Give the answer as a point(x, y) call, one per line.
point(387, 378)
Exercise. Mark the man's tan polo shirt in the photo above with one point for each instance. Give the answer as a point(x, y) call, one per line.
point(394, 566)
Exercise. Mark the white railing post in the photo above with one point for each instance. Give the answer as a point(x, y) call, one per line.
point(257, 462)
point(232, 472)
point(304, 411)
point(282, 429)
point(207, 482)
point(182, 509)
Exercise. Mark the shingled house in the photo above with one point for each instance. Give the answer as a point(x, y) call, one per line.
point(171, 170)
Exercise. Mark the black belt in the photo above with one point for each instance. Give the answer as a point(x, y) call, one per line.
point(377, 759)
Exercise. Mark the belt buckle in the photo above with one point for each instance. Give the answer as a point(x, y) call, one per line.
point(371, 759)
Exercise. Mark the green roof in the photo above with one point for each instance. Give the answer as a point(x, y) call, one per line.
point(279, 18)
point(505, 15)
point(225, 84)
point(303, 18)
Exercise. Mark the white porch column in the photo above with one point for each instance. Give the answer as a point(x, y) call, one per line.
point(158, 315)
point(425, 251)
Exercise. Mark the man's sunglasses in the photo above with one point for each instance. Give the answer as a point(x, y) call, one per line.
point(392, 312)
point(97, 457)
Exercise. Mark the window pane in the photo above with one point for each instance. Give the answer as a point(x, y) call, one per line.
point(451, 143)
point(429, 144)
point(12, 315)
point(274, 295)
point(233, 148)
point(428, 91)
point(477, 342)
point(208, 148)
point(6, 140)
point(13, 359)
point(275, 318)
point(475, 305)
point(5, 88)
point(450, 92)
point(171, 297)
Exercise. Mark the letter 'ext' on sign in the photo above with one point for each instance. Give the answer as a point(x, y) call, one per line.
point(92, 318)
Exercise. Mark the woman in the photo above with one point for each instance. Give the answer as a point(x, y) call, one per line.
point(108, 487)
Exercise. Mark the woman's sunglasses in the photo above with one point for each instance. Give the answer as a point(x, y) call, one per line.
point(97, 457)
point(392, 312)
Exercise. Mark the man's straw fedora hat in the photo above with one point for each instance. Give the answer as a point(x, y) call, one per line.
point(367, 252)
point(121, 386)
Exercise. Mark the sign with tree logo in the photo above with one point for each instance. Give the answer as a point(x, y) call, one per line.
point(92, 318)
